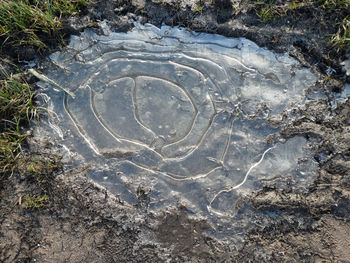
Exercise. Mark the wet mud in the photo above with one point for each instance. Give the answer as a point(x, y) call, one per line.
point(83, 222)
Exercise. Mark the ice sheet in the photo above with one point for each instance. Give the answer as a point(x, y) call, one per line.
point(183, 115)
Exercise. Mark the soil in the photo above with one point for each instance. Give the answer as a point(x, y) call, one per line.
point(82, 222)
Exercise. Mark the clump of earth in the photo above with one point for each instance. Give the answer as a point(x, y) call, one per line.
point(241, 153)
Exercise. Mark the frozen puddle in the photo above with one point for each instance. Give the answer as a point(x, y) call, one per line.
point(181, 116)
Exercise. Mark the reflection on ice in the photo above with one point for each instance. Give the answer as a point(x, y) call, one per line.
point(185, 116)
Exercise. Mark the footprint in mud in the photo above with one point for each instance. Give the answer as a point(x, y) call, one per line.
point(186, 111)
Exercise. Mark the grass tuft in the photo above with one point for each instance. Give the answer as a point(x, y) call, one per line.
point(20, 23)
point(266, 13)
point(335, 4)
point(35, 202)
point(25, 22)
point(41, 167)
point(269, 11)
point(16, 102)
point(16, 108)
point(342, 38)
point(29, 23)
point(199, 7)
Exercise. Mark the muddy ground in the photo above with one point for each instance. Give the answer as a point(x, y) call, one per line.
point(80, 222)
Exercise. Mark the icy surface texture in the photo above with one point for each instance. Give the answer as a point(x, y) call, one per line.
point(181, 116)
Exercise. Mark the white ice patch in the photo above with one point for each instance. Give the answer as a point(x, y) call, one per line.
point(183, 114)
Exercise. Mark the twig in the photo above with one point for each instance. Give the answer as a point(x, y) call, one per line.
point(51, 82)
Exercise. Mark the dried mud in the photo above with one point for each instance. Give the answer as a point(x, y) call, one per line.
point(84, 223)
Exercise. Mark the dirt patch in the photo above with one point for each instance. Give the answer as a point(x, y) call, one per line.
point(327, 243)
point(69, 228)
point(82, 222)
point(186, 238)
